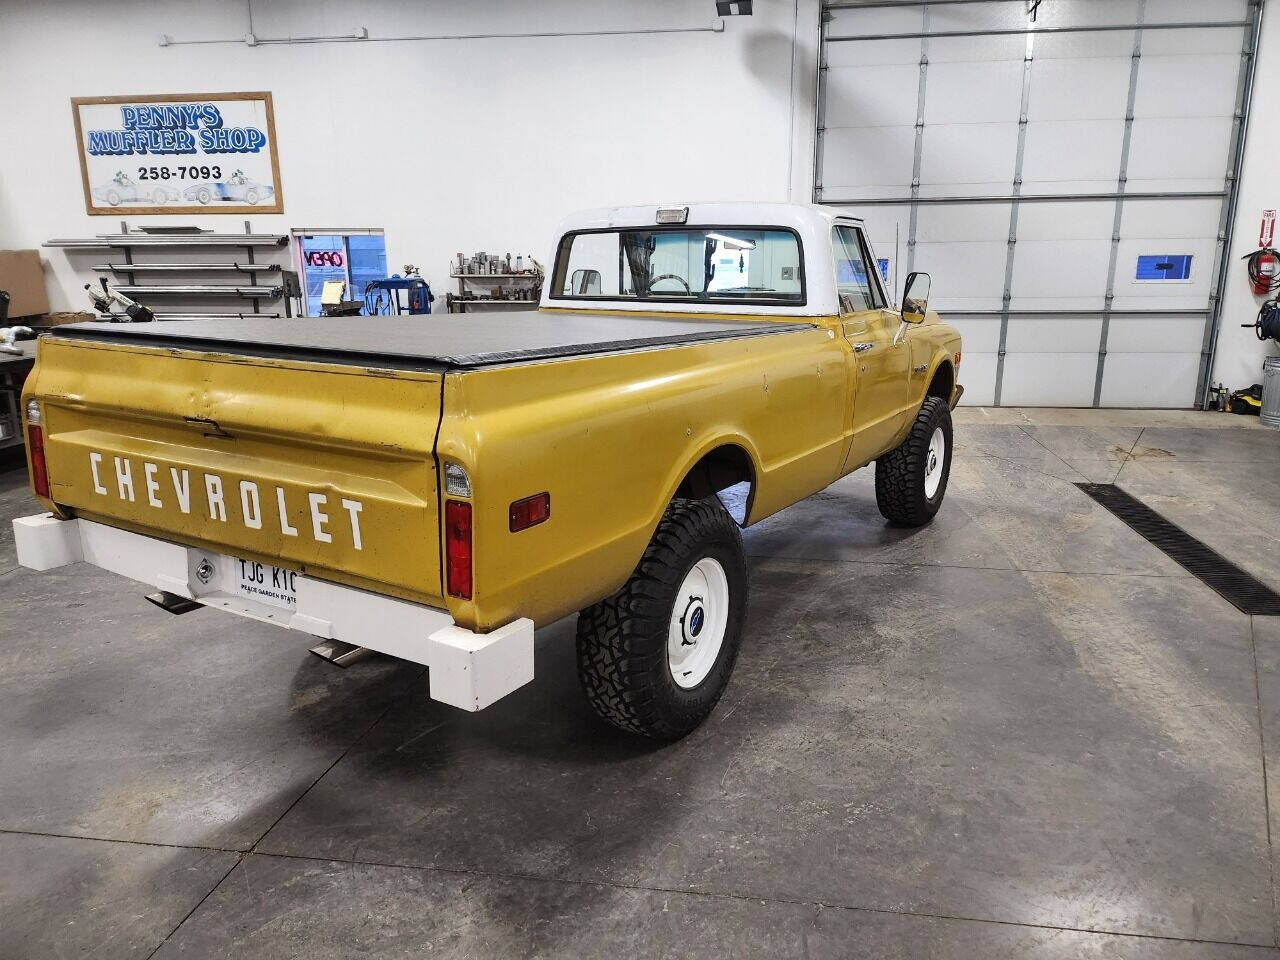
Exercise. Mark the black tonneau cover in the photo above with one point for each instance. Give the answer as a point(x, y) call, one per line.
point(433, 341)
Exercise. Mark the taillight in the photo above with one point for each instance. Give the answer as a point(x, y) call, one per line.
point(457, 543)
point(39, 472)
point(529, 511)
point(35, 448)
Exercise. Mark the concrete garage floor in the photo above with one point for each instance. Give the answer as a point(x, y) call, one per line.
point(1020, 732)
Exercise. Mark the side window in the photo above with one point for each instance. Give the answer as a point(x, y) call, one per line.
point(854, 285)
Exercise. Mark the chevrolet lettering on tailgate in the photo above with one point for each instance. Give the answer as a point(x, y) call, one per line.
point(246, 503)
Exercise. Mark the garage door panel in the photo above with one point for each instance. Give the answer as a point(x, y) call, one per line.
point(1183, 153)
point(981, 334)
point(1065, 220)
point(976, 50)
point(1090, 88)
point(1149, 380)
point(1180, 42)
point(1062, 156)
point(1059, 274)
point(868, 161)
point(870, 53)
point(1052, 379)
point(1164, 294)
point(1054, 335)
point(964, 274)
point(1195, 219)
point(871, 96)
point(1186, 11)
point(963, 222)
point(973, 92)
point(1187, 86)
point(845, 22)
point(1074, 46)
point(978, 375)
point(1163, 335)
point(957, 158)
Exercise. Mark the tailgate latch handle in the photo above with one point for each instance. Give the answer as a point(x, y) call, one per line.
point(210, 425)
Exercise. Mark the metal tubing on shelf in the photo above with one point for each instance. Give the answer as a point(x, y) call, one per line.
point(1244, 104)
point(1020, 31)
point(185, 267)
point(198, 289)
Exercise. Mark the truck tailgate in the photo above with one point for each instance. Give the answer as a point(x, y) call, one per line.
point(320, 467)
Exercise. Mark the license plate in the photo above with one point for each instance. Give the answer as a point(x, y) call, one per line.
point(266, 584)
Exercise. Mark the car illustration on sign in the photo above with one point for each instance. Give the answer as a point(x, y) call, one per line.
point(123, 189)
point(236, 187)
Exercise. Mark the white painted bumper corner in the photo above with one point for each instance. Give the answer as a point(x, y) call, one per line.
point(468, 670)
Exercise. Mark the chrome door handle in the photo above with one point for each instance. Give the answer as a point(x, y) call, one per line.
point(862, 347)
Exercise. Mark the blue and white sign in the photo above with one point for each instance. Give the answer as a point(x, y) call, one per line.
point(178, 153)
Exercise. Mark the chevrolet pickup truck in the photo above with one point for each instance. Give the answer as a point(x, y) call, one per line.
point(434, 487)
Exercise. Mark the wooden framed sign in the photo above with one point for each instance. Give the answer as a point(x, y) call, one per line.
point(178, 153)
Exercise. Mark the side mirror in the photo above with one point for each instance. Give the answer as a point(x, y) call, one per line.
point(915, 297)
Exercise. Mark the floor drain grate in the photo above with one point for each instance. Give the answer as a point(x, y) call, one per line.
point(1243, 590)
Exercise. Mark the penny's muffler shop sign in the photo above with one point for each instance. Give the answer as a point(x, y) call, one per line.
point(178, 153)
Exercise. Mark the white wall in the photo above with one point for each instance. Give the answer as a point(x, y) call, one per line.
point(453, 145)
point(1238, 362)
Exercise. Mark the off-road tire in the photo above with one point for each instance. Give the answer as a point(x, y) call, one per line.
point(900, 474)
point(622, 640)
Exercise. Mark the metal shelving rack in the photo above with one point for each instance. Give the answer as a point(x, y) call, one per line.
point(527, 283)
point(270, 287)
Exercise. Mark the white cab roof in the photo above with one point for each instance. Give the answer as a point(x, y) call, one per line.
point(811, 223)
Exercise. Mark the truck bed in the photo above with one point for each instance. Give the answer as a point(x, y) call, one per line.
point(431, 342)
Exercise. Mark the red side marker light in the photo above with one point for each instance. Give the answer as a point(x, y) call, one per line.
point(529, 512)
point(457, 538)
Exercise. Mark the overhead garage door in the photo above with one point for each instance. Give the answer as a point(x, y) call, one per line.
point(1067, 180)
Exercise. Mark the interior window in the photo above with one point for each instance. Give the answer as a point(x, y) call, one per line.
point(854, 285)
point(701, 263)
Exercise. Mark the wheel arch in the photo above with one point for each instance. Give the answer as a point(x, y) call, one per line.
point(714, 467)
point(942, 381)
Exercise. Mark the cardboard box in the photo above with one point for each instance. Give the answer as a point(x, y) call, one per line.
point(22, 275)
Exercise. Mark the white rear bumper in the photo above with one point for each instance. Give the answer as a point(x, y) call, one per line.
point(468, 670)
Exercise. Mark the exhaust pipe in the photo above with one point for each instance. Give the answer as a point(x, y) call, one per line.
point(339, 653)
point(173, 603)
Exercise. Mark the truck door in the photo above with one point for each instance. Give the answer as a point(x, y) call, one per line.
point(880, 354)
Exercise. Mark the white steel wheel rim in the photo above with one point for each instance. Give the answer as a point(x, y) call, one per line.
point(934, 460)
point(698, 621)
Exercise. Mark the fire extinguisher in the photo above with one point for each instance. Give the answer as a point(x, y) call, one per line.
point(1264, 270)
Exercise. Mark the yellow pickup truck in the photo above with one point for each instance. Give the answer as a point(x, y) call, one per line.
point(434, 487)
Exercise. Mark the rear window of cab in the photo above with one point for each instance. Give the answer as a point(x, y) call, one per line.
point(681, 265)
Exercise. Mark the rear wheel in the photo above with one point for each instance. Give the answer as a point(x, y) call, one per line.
point(655, 657)
point(911, 480)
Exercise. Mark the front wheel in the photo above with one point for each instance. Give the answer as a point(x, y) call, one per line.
point(911, 480)
point(655, 657)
